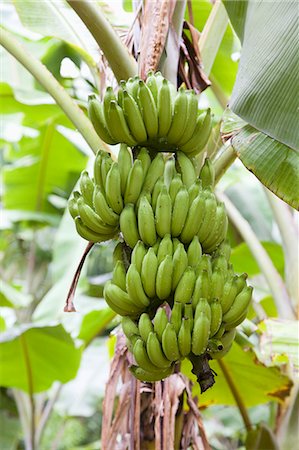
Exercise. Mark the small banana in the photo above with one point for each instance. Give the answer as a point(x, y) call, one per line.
point(135, 288)
point(163, 213)
point(176, 316)
point(216, 316)
point(208, 219)
point(203, 307)
point(148, 109)
point(119, 300)
point(87, 188)
point(186, 168)
point(240, 319)
point(175, 185)
point(207, 174)
point(149, 272)
point(227, 341)
point(134, 182)
point(192, 108)
point(108, 97)
point(102, 208)
point(194, 190)
point(165, 248)
point(138, 254)
point(97, 171)
point(239, 306)
point(129, 327)
point(179, 211)
point(194, 252)
point(106, 163)
point(200, 136)
point(205, 263)
point(169, 171)
point(200, 334)
point(119, 275)
point(220, 263)
point(164, 278)
point(230, 291)
point(73, 207)
point(195, 217)
point(170, 343)
point(124, 164)
point(141, 357)
point(217, 283)
point(144, 157)
point(164, 109)
point(151, 82)
point(160, 322)
point(155, 352)
point(91, 235)
point(202, 287)
point(117, 125)
point(218, 230)
point(155, 171)
point(91, 219)
point(180, 264)
point(146, 222)
point(179, 118)
point(113, 189)
point(156, 191)
point(145, 326)
point(96, 115)
point(184, 337)
point(134, 118)
point(146, 376)
point(185, 287)
point(128, 225)
point(188, 314)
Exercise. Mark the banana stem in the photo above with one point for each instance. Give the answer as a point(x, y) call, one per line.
point(273, 278)
point(224, 161)
point(236, 394)
point(49, 82)
point(121, 62)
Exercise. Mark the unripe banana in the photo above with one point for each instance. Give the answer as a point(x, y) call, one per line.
point(149, 272)
point(163, 213)
point(240, 319)
point(192, 108)
point(129, 327)
point(207, 174)
point(134, 183)
point(160, 322)
point(176, 316)
point(208, 219)
point(214, 345)
point(155, 352)
point(194, 190)
point(200, 136)
point(224, 249)
point(144, 157)
point(218, 231)
point(179, 211)
point(156, 191)
point(188, 314)
point(200, 334)
point(195, 217)
point(106, 163)
point(146, 222)
point(227, 341)
point(141, 357)
point(148, 109)
point(179, 118)
point(202, 287)
point(145, 326)
point(203, 307)
point(205, 263)
point(134, 118)
point(216, 316)
point(138, 254)
point(120, 95)
point(239, 306)
point(186, 168)
point(151, 82)
point(175, 185)
point(118, 253)
point(135, 288)
point(194, 252)
point(97, 171)
point(220, 263)
point(96, 115)
point(108, 97)
point(91, 235)
point(164, 109)
point(113, 189)
point(180, 263)
point(102, 208)
point(170, 343)
point(230, 291)
point(185, 287)
point(92, 220)
point(155, 171)
point(119, 300)
point(124, 165)
point(117, 125)
point(184, 337)
point(146, 376)
point(119, 275)
point(165, 248)
point(86, 188)
point(128, 225)
point(217, 283)
point(73, 207)
point(220, 332)
point(169, 171)
point(164, 278)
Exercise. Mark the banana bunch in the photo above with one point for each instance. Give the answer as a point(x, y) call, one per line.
point(151, 113)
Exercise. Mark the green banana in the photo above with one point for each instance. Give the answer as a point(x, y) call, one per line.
point(87, 188)
point(96, 115)
point(203, 307)
point(185, 287)
point(164, 109)
point(155, 352)
point(200, 334)
point(146, 376)
point(227, 341)
point(113, 189)
point(145, 326)
point(192, 108)
point(97, 171)
point(151, 82)
point(165, 248)
point(156, 191)
point(164, 278)
point(176, 315)
point(117, 125)
point(194, 190)
point(239, 305)
point(188, 314)
point(170, 343)
point(179, 118)
point(220, 263)
point(240, 319)
point(217, 283)
point(108, 97)
point(163, 213)
point(119, 300)
point(202, 287)
point(207, 174)
point(135, 288)
point(144, 157)
point(175, 185)
point(92, 220)
point(119, 275)
point(154, 172)
point(141, 357)
point(200, 136)
point(102, 208)
point(129, 327)
point(134, 182)
point(106, 163)
point(219, 230)
point(138, 254)
point(160, 322)
point(186, 168)
point(184, 337)
point(149, 272)
point(180, 264)
point(208, 219)
point(194, 252)
point(73, 207)
point(179, 211)
point(124, 164)
point(148, 109)
point(134, 118)
point(128, 225)
point(196, 215)
point(146, 222)
point(169, 171)
point(216, 316)
point(91, 235)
